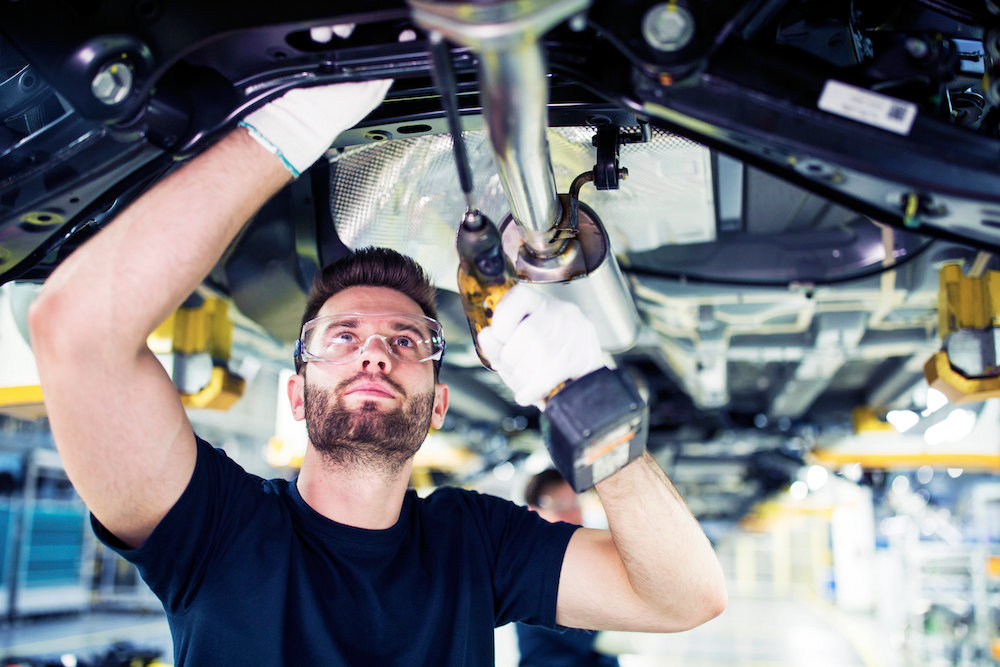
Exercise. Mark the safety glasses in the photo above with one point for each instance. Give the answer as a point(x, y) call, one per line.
point(344, 337)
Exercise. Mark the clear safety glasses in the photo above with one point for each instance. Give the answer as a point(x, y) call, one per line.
point(344, 337)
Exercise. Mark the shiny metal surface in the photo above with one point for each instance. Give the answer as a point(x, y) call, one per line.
point(493, 25)
point(567, 262)
point(599, 290)
point(668, 27)
point(402, 194)
point(514, 97)
point(112, 83)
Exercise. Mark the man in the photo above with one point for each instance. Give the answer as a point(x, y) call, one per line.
point(548, 494)
point(343, 566)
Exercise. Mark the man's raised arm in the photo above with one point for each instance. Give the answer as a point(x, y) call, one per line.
point(117, 420)
point(654, 571)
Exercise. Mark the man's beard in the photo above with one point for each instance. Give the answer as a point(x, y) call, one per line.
point(367, 438)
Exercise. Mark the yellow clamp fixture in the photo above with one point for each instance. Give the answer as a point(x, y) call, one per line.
point(865, 420)
point(966, 370)
point(196, 330)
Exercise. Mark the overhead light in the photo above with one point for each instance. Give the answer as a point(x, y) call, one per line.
point(504, 471)
point(902, 420)
point(957, 425)
point(925, 474)
point(935, 401)
point(816, 477)
point(798, 490)
point(537, 461)
point(900, 484)
point(955, 473)
point(852, 471)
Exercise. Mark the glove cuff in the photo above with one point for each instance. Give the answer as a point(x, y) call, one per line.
point(266, 143)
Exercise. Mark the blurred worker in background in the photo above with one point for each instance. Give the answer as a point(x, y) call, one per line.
point(554, 499)
point(344, 565)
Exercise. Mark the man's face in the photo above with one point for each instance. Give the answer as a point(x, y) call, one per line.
point(376, 410)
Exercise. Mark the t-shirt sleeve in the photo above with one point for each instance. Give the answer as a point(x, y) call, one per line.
point(194, 534)
point(528, 555)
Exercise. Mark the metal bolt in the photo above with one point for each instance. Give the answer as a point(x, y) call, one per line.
point(814, 168)
point(917, 48)
point(27, 80)
point(112, 83)
point(36, 220)
point(668, 27)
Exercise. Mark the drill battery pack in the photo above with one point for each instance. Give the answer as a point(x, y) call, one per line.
point(594, 426)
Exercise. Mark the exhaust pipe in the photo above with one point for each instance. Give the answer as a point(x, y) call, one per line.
point(514, 94)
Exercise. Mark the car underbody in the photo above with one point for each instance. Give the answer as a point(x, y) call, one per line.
point(797, 174)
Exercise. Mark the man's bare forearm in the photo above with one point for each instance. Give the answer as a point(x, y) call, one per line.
point(116, 417)
point(669, 561)
point(131, 275)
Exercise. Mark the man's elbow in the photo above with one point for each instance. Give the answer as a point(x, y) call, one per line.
point(59, 327)
point(709, 604)
point(61, 320)
point(42, 321)
point(713, 605)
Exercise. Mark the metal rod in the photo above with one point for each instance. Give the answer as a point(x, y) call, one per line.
point(444, 79)
point(514, 92)
point(515, 99)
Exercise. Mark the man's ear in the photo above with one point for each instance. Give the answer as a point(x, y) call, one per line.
point(296, 396)
point(440, 404)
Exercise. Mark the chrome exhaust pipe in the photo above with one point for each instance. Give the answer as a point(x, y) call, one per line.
point(515, 98)
point(514, 93)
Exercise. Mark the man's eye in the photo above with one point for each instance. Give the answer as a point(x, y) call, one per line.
point(341, 338)
point(404, 341)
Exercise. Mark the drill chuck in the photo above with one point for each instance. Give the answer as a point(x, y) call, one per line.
point(484, 272)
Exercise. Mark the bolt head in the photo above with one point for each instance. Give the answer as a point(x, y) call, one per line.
point(667, 28)
point(917, 48)
point(112, 83)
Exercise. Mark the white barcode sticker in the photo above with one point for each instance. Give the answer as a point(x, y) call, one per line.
point(611, 462)
point(866, 107)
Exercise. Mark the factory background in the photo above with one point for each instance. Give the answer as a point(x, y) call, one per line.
point(889, 559)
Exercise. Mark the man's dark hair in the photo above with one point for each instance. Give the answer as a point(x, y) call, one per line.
point(373, 267)
point(539, 484)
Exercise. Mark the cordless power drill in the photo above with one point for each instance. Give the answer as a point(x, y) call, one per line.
point(592, 426)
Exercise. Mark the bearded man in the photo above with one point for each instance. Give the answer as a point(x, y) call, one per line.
point(344, 565)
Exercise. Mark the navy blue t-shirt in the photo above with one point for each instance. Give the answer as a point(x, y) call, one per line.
point(546, 647)
point(249, 574)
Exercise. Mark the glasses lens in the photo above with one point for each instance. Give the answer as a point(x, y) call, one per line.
point(341, 338)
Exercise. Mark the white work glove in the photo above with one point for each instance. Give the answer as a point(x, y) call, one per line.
point(536, 342)
point(300, 125)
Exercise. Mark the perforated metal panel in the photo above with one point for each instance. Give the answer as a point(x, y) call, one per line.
point(404, 194)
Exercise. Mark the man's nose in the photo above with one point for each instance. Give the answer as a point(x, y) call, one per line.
point(376, 351)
